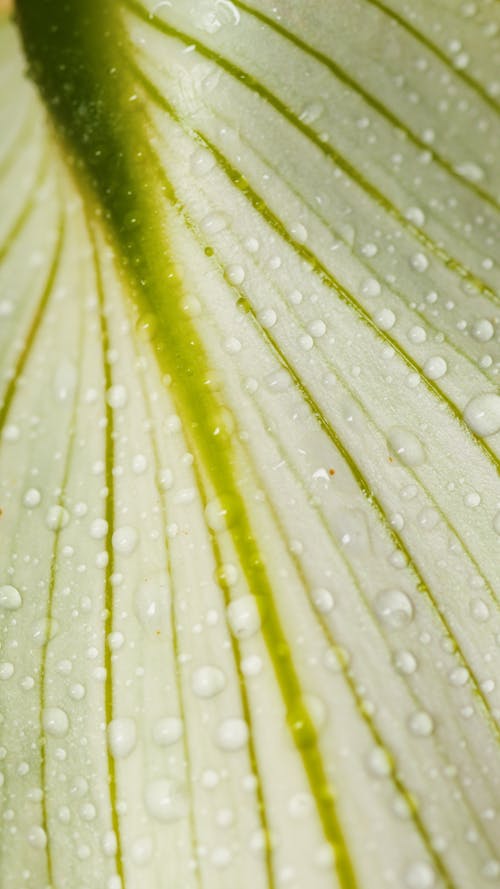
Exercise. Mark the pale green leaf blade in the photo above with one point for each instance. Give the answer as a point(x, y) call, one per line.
point(250, 588)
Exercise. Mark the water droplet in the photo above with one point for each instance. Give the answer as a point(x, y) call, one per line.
point(37, 837)
point(300, 805)
point(371, 287)
point(10, 597)
point(57, 518)
point(435, 367)
point(415, 215)
point(405, 445)
point(323, 600)
point(394, 608)
point(232, 734)
point(235, 274)
point(243, 617)
point(278, 380)
point(405, 662)
point(55, 722)
point(419, 262)
point(208, 681)
point(471, 171)
point(32, 498)
point(64, 382)
point(99, 529)
point(379, 762)
point(124, 540)
point(213, 223)
point(420, 875)
point(482, 330)
point(421, 724)
point(384, 318)
point(6, 671)
point(311, 112)
point(417, 335)
point(166, 800)
point(141, 850)
point(479, 610)
point(152, 601)
point(299, 232)
point(202, 161)
point(482, 414)
point(458, 677)
point(122, 736)
point(117, 396)
point(167, 731)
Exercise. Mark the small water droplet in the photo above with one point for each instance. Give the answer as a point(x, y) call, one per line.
point(384, 318)
point(371, 287)
point(202, 161)
point(117, 396)
point(213, 223)
point(32, 498)
point(235, 274)
point(141, 850)
point(124, 540)
point(98, 529)
point(37, 837)
point(421, 724)
point(415, 215)
point(57, 518)
point(10, 597)
point(470, 170)
point(208, 681)
point(394, 608)
point(243, 617)
point(167, 730)
point(435, 367)
point(55, 722)
point(379, 762)
point(420, 875)
point(232, 734)
point(323, 600)
point(479, 610)
point(406, 446)
point(122, 737)
point(482, 330)
point(482, 414)
point(6, 670)
point(419, 262)
point(405, 662)
point(166, 800)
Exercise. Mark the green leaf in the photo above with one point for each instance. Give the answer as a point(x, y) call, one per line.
point(250, 440)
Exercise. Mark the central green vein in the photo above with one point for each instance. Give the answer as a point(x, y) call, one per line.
point(110, 150)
